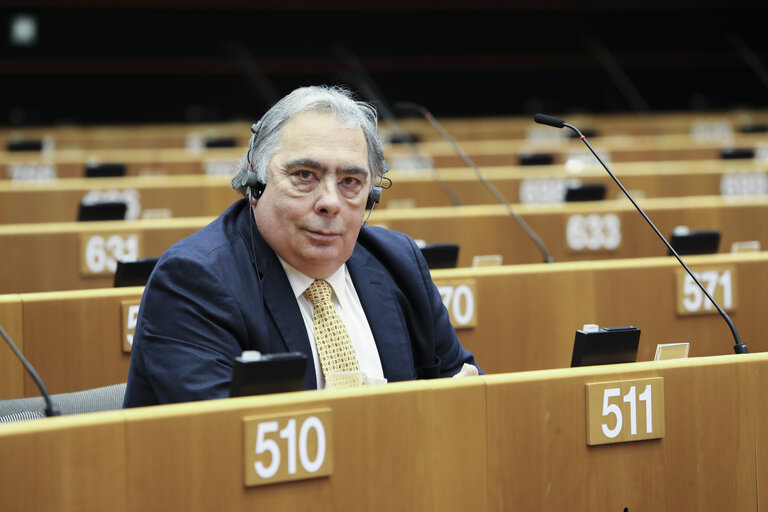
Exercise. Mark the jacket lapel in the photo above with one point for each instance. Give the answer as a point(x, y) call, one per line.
point(285, 312)
point(376, 293)
point(278, 296)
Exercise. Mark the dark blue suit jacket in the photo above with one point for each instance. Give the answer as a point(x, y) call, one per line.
point(202, 307)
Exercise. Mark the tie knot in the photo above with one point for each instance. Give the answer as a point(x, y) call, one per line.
point(319, 292)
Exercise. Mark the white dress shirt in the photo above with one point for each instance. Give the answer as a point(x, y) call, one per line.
point(347, 305)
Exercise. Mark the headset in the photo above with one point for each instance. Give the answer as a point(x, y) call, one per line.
point(255, 187)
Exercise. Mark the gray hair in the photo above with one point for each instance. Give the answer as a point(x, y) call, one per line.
point(333, 100)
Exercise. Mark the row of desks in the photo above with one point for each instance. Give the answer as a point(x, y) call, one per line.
point(59, 200)
point(190, 196)
point(489, 152)
point(612, 149)
point(72, 163)
point(482, 443)
point(548, 184)
point(71, 255)
point(186, 135)
point(142, 136)
point(680, 123)
point(513, 318)
point(463, 444)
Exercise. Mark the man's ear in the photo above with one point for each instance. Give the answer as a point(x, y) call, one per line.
point(253, 200)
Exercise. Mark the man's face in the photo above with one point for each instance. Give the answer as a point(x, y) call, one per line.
point(313, 206)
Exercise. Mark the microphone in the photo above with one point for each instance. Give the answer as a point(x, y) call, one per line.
point(499, 197)
point(50, 409)
point(549, 120)
point(739, 347)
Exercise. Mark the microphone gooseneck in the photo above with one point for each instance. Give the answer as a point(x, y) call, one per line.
point(50, 409)
point(499, 197)
point(739, 347)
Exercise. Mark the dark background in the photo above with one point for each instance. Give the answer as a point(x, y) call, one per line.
point(173, 61)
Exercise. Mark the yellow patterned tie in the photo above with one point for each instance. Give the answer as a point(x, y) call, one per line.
point(334, 348)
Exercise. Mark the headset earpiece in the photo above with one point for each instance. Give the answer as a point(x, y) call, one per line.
point(253, 184)
point(373, 198)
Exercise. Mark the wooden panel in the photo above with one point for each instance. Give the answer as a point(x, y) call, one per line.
point(490, 150)
point(70, 137)
point(522, 184)
point(494, 146)
point(30, 267)
point(616, 124)
point(182, 196)
point(71, 163)
point(527, 317)
point(68, 464)
point(616, 148)
point(11, 369)
point(74, 339)
point(185, 196)
point(486, 443)
point(459, 445)
point(490, 230)
point(540, 461)
point(390, 452)
point(465, 128)
point(760, 372)
point(528, 314)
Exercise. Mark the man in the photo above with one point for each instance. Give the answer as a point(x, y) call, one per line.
point(246, 281)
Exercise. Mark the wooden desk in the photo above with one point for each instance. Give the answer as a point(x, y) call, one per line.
point(521, 127)
point(144, 136)
point(58, 201)
point(199, 195)
point(479, 230)
point(611, 148)
point(526, 317)
point(567, 230)
point(75, 339)
point(483, 443)
point(474, 128)
point(55, 256)
point(538, 458)
point(71, 163)
point(546, 184)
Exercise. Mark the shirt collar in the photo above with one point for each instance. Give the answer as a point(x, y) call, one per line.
point(300, 281)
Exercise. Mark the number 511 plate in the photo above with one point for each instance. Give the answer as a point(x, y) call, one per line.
point(627, 410)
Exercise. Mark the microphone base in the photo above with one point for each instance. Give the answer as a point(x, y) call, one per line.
point(741, 348)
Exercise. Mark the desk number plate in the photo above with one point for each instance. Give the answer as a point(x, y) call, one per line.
point(623, 411)
point(288, 447)
point(459, 297)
